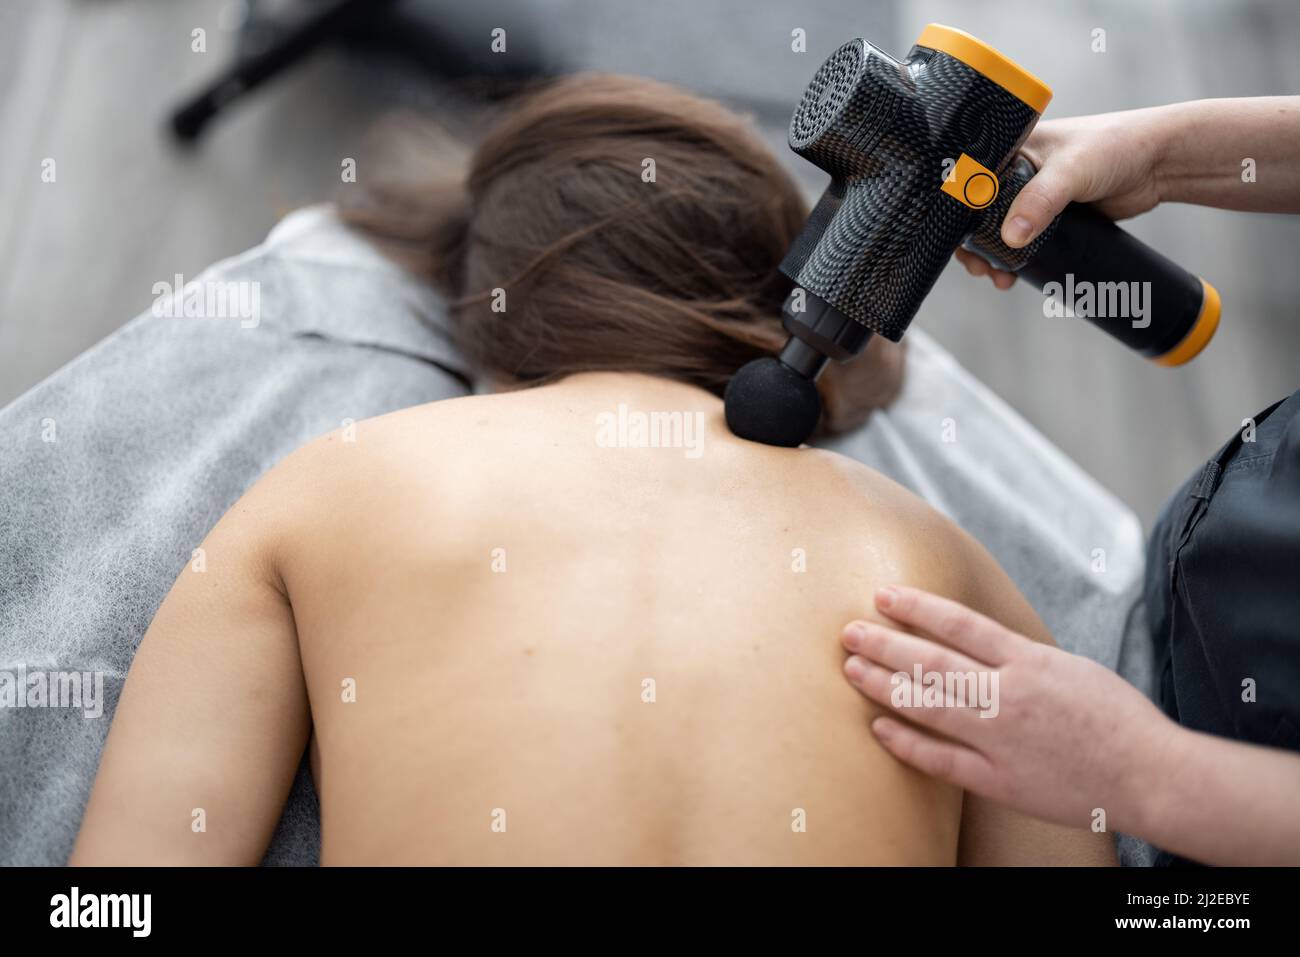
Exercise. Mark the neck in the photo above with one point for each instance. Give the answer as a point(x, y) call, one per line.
point(632, 388)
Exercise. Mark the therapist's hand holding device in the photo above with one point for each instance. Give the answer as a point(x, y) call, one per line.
point(1065, 739)
point(1233, 153)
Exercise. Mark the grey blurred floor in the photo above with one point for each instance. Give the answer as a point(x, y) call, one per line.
point(87, 82)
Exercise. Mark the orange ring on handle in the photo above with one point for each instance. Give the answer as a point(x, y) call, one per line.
point(1202, 331)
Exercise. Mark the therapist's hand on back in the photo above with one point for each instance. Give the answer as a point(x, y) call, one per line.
point(1063, 737)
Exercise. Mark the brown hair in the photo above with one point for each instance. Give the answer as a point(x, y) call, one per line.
point(603, 265)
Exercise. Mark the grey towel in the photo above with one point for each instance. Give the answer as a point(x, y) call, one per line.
point(156, 432)
point(115, 467)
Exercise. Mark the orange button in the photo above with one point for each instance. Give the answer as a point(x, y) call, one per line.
point(980, 189)
point(971, 183)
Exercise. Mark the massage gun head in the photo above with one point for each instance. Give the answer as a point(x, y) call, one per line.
point(914, 149)
point(767, 401)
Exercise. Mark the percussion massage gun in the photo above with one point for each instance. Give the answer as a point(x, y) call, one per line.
point(923, 157)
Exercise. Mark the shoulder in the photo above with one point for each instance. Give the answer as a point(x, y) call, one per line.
point(394, 447)
point(913, 543)
point(866, 500)
point(363, 480)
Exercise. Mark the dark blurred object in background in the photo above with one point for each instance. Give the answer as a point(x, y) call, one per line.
point(448, 38)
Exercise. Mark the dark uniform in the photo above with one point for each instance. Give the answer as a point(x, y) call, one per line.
point(1223, 591)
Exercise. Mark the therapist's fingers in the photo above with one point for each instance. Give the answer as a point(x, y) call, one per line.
point(900, 651)
point(975, 265)
point(954, 763)
point(1003, 280)
point(896, 691)
point(978, 266)
point(952, 623)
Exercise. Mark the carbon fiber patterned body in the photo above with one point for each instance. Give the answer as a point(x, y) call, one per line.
point(888, 131)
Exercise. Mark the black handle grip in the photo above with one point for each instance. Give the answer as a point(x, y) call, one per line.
point(1102, 274)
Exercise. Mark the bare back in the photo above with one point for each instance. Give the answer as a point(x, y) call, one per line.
point(526, 637)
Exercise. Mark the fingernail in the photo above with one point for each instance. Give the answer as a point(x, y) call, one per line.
point(880, 728)
point(1018, 229)
point(855, 668)
point(853, 633)
point(885, 597)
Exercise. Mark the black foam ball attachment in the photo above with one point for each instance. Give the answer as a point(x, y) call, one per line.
point(767, 401)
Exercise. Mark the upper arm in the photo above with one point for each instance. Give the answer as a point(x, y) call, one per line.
point(213, 718)
point(993, 834)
